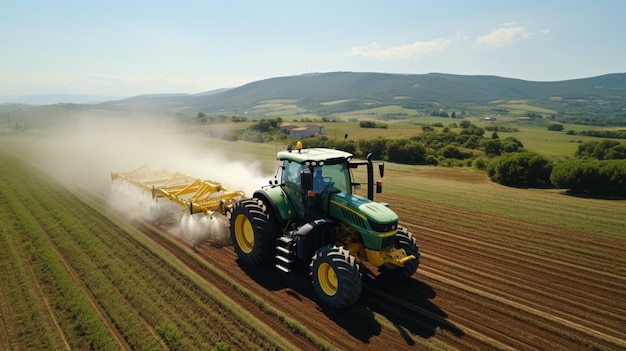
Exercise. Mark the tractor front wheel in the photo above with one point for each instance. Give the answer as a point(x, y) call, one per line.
point(336, 277)
point(252, 232)
point(406, 241)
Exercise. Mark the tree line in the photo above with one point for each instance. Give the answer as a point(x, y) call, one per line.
point(597, 169)
point(432, 147)
point(612, 134)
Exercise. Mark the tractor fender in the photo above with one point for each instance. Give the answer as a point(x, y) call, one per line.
point(277, 199)
point(313, 235)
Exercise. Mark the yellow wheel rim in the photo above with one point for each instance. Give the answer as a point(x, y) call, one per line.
point(327, 279)
point(244, 234)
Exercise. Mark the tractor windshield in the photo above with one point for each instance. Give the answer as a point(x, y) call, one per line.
point(332, 178)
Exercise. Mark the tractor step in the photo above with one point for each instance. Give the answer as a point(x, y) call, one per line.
point(284, 254)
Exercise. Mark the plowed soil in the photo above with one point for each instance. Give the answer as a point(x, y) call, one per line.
point(484, 282)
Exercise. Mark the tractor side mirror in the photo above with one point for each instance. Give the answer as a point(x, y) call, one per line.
point(381, 168)
point(306, 180)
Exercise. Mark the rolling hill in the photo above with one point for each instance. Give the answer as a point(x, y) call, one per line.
point(330, 94)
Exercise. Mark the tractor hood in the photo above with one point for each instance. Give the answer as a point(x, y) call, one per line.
point(375, 221)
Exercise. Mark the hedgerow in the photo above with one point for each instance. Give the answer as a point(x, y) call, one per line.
point(591, 177)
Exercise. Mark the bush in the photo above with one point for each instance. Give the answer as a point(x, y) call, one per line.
point(602, 150)
point(520, 169)
point(372, 124)
point(493, 147)
point(451, 151)
point(169, 334)
point(221, 346)
point(591, 177)
point(480, 163)
point(405, 151)
point(557, 127)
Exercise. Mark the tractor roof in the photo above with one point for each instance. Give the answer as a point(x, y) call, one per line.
point(329, 156)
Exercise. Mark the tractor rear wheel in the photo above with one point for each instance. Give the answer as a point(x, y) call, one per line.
point(252, 232)
point(336, 277)
point(406, 241)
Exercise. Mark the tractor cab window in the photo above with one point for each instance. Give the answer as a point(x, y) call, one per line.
point(331, 178)
point(291, 173)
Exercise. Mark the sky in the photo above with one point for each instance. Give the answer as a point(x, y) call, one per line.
point(125, 48)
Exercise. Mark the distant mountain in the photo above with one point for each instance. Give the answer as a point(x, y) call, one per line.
point(211, 92)
point(325, 94)
point(51, 99)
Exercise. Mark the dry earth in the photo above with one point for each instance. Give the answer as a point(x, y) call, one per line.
point(484, 282)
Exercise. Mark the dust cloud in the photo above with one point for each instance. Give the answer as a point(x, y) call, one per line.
point(86, 152)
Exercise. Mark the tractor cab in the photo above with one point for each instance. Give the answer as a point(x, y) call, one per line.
point(310, 176)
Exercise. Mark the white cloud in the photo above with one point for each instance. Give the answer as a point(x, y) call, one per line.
point(503, 36)
point(409, 51)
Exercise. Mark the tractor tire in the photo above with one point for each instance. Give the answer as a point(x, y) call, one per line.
point(335, 276)
point(253, 232)
point(406, 241)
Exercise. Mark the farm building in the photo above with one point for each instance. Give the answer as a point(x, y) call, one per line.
point(295, 131)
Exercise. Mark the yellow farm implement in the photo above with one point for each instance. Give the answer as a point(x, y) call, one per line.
point(193, 194)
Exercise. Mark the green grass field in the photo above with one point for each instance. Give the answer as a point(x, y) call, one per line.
point(536, 138)
point(467, 189)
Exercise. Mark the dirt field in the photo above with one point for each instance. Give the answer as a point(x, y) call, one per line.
point(484, 282)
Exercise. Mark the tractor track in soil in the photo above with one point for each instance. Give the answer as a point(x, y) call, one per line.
point(475, 289)
point(245, 302)
point(579, 296)
point(519, 275)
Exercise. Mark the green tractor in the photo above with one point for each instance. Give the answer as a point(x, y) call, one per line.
point(312, 217)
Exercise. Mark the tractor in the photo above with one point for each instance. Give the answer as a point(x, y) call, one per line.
point(310, 215)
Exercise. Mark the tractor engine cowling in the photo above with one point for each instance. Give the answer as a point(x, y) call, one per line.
point(376, 223)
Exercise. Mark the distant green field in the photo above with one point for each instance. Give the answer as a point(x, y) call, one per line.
point(521, 108)
point(468, 189)
point(539, 139)
point(536, 138)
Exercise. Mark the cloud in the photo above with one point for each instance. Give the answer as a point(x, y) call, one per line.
point(503, 36)
point(403, 52)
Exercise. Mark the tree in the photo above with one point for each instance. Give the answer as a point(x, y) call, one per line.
point(591, 177)
point(602, 150)
point(406, 151)
point(202, 117)
point(376, 146)
point(451, 151)
point(523, 168)
point(557, 127)
point(512, 144)
point(493, 147)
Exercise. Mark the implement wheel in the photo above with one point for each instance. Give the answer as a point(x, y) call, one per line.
point(252, 232)
point(406, 241)
point(336, 277)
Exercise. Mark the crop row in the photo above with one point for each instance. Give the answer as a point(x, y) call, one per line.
point(101, 288)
